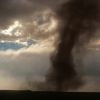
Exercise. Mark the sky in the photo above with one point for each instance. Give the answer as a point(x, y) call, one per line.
point(20, 18)
point(26, 67)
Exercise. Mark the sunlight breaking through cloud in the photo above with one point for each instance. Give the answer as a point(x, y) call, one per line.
point(14, 29)
point(41, 25)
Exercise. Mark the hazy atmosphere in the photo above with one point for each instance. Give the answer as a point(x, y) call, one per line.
point(28, 36)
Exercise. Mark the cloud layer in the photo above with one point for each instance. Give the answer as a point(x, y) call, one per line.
point(21, 9)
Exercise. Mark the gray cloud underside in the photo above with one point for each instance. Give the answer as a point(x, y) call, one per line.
point(22, 9)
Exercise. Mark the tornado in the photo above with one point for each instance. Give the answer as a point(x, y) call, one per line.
point(77, 18)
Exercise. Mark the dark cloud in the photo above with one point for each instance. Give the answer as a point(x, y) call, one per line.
point(14, 9)
point(21, 9)
point(24, 11)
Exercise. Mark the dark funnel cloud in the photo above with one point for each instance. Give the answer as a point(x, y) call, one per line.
point(78, 18)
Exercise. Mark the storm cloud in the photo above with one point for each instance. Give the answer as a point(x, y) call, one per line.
point(21, 9)
point(19, 69)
